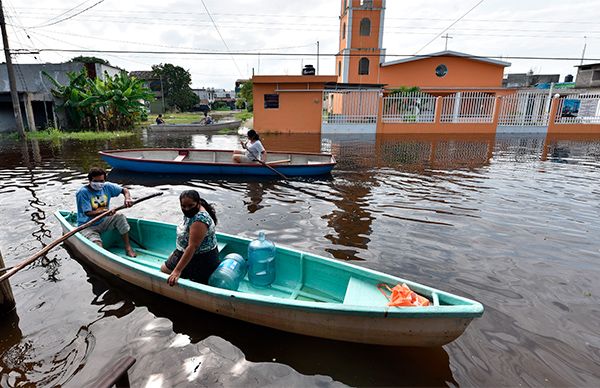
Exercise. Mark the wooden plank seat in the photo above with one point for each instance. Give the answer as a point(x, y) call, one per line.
point(220, 246)
point(362, 293)
point(279, 161)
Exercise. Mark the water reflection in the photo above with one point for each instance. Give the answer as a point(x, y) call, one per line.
point(507, 220)
point(12, 353)
point(354, 364)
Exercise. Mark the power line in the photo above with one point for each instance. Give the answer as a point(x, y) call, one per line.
point(312, 54)
point(450, 26)
point(70, 17)
point(221, 36)
point(170, 21)
point(170, 46)
point(167, 11)
point(67, 11)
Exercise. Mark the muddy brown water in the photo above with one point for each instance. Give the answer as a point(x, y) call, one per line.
point(511, 221)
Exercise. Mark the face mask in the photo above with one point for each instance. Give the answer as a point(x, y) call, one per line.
point(191, 212)
point(97, 186)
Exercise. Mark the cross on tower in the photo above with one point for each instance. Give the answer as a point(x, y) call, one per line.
point(446, 37)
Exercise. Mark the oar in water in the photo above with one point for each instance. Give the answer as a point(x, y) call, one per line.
point(266, 165)
point(257, 159)
point(48, 247)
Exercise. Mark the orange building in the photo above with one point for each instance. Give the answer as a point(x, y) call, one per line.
point(289, 103)
point(361, 57)
point(458, 92)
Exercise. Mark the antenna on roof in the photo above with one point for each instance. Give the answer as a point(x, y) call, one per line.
point(584, 47)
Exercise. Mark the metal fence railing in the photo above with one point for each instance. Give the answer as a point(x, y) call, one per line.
point(409, 108)
point(525, 109)
point(350, 106)
point(468, 107)
point(578, 109)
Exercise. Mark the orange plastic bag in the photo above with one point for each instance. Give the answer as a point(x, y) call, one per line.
point(402, 296)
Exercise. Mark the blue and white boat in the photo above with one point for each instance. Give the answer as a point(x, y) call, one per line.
point(217, 162)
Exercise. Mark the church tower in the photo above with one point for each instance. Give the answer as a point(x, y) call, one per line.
point(361, 36)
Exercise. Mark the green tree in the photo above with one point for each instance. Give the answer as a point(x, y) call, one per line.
point(116, 102)
point(83, 59)
point(246, 95)
point(176, 86)
point(405, 90)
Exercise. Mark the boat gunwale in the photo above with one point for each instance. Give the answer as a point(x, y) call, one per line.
point(472, 309)
point(195, 124)
point(113, 154)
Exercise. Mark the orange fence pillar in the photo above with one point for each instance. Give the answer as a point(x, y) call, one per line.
point(553, 113)
point(497, 108)
point(379, 126)
point(438, 110)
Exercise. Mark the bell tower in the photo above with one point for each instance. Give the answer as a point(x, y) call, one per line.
point(361, 35)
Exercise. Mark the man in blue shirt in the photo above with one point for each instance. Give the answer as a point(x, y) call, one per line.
point(93, 199)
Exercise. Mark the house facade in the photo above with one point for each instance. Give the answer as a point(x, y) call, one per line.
point(38, 106)
point(442, 92)
point(588, 76)
point(154, 83)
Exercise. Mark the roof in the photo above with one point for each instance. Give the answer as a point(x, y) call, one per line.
point(269, 79)
point(143, 74)
point(589, 64)
point(448, 53)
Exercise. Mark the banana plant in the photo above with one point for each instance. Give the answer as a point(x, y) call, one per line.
point(117, 102)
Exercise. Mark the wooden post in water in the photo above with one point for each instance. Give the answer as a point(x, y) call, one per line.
point(7, 300)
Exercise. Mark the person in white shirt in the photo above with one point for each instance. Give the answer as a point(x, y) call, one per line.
point(255, 151)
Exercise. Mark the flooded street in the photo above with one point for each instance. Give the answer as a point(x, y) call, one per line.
point(512, 222)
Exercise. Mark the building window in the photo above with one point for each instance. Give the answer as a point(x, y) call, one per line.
point(441, 70)
point(366, 3)
point(596, 75)
point(271, 101)
point(363, 66)
point(365, 27)
point(344, 31)
point(339, 68)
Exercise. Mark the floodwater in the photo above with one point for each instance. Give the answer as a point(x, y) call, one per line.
point(512, 222)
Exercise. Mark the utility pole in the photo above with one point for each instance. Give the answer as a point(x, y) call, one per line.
point(446, 37)
point(11, 76)
point(584, 47)
point(317, 57)
point(162, 94)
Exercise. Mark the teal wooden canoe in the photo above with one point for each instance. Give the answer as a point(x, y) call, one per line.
point(311, 295)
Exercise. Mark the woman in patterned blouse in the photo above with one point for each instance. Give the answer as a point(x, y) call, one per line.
point(196, 253)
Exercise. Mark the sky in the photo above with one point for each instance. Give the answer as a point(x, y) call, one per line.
point(507, 28)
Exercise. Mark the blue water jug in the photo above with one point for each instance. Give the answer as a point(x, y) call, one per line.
point(229, 273)
point(261, 261)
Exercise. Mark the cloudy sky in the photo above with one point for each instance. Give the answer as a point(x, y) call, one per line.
point(508, 28)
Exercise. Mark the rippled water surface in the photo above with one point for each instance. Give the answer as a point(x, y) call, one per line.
point(512, 222)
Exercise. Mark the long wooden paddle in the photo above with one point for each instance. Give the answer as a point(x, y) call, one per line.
point(257, 159)
point(266, 165)
point(48, 247)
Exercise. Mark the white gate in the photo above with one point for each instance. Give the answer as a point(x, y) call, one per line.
point(525, 109)
point(350, 111)
point(415, 107)
point(468, 107)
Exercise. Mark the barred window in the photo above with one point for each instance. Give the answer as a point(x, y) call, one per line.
point(363, 66)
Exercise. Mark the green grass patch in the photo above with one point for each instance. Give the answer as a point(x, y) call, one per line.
point(9, 136)
point(53, 134)
point(244, 115)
